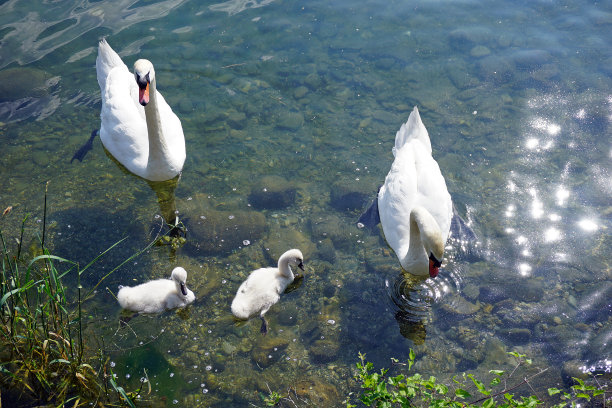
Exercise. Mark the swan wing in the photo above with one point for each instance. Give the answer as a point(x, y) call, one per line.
point(396, 198)
point(256, 294)
point(107, 60)
point(432, 193)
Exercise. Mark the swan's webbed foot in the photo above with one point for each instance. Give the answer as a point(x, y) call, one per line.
point(124, 319)
point(80, 154)
point(297, 282)
point(264, 326)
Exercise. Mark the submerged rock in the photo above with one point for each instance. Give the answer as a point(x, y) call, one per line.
point(268, 351)
point(290, 121)
point(23, 82)
point(220, 232)
point(324, 351)
point(320, 393)
point(350, 195)
point(272, 192)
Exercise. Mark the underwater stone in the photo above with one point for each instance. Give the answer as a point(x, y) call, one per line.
point(300, 92)
point(320, 394)
point(290, 121)
point(516, 335)
point(334, 228)
point(287, 316)
point(480, 51)
point(272, 192)
point(18, 83)
point(326, 251)
point(280, 240)
point(350, 195)
point(460, 306)
point(313, 81)
point(531, 59)
point(465, 39)
point(530, 292)
point(496, 69)
point(324, 351)
point(495, 353)
point(221, 232)
point(40, 158)
point(573, 369)
point(269, 351)
point(237, 120)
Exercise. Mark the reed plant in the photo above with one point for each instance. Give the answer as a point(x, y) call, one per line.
point(44, 355)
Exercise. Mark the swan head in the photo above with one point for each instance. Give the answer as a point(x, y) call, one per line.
point(179, 276)
point(293, 257)
point(144, 75)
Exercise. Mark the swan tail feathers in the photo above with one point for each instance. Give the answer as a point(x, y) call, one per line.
point(412, 129)
point(107, 60)
point(370, 218)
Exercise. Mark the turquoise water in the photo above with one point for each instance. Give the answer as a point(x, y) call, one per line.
point(515, 95)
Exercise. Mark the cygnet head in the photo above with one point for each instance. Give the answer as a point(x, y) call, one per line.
point(144, 75)
point(293, 257)
point(179, 276)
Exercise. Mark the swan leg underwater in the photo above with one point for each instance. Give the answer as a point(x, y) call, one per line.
point(80, 154)
point(262, 289)
point(138, 128)
point(413, 205)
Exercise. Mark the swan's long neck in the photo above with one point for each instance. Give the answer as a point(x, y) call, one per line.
point(158, 147)
point(284, 269)
point(425, 236)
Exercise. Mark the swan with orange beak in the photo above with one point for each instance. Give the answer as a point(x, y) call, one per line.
point(138, 127)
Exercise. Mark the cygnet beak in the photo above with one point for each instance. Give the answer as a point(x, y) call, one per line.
point(183, 289)
point(301, 265)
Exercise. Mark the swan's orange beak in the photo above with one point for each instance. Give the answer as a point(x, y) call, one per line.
point(433, 269)
point(434, 266)
point(143, 95)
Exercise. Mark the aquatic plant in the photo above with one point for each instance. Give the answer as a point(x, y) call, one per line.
point(45, 357)
point(383, 390)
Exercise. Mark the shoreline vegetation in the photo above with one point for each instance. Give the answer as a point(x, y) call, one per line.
point(46, 356)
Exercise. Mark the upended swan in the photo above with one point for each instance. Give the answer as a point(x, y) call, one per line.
point(138, 127)
point(157, 295)
point(263, 287)
point(413, 205)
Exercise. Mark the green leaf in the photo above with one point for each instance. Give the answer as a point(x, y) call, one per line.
point(553, 391)
point(497, 372)
point(462, 393)
point(479, 385)
point(488, 403)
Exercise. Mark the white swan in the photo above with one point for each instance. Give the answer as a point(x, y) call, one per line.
point(148, 140)
point(414, 205)
point(263, 287)
point(157, 295)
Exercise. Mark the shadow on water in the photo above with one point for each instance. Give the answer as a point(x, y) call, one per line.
point(80, 234)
